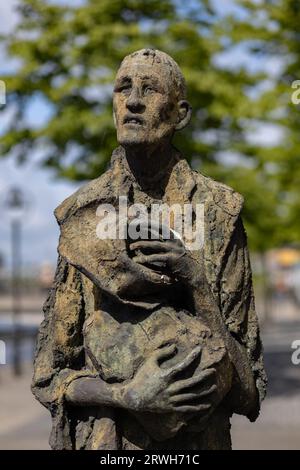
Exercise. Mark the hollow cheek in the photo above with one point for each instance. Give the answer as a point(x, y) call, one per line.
point(165, 111)
point(154, 112)
point(119, 108)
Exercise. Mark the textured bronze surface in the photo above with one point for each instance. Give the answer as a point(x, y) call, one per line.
point(147, 345)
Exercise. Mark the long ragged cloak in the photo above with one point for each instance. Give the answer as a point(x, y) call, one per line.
point(86, 272)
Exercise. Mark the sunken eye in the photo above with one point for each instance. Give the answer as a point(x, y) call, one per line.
point(125, 89)
point(148, 90)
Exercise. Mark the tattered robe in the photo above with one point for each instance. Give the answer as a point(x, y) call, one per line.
point(94, 279)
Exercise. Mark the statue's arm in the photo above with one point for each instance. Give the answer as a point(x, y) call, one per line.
point(90, 391)
point(59, 353)
point(60, 372)
point(237, 322)
point(62, 378)
point(227, 307)
point(241, 381)
point(59, 357)
point(152, 389)
point(238, 310)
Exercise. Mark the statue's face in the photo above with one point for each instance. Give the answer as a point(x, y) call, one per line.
point(145, 105)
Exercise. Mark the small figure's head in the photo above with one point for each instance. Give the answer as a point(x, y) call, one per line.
point(149, 99)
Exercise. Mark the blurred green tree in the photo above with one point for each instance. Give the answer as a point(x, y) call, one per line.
point(68, 56)
point(270, 32)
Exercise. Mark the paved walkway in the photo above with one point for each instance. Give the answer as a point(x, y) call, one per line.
point(278, 426)
point(25, 424)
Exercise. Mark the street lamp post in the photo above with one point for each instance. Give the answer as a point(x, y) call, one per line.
point(16, 203)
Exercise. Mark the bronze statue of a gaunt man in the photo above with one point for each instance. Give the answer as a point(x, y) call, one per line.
point(147, 344)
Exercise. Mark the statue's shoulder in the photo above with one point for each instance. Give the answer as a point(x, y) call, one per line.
point(223, 196)
point(96, 189)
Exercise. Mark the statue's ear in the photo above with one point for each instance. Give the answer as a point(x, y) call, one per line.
point(115, 120)
point(184, 114)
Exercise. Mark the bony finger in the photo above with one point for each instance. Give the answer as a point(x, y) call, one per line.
point(192, 395)
point(139, 259)
point(201, 378)
point(164, 353)
point(193, 408)
point(143, 259)
point(184, 397)
point(208, 391)
point(186, 362)
point(148, 244)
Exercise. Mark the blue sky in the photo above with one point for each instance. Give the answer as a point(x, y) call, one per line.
point(40, 231)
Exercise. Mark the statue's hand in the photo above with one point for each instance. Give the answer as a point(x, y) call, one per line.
point(175, 258)
point(157, 390)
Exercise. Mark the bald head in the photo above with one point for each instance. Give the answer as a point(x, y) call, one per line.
point(149, 99)
point(170, 68)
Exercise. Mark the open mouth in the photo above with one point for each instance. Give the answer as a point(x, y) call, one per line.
point(129, 119)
